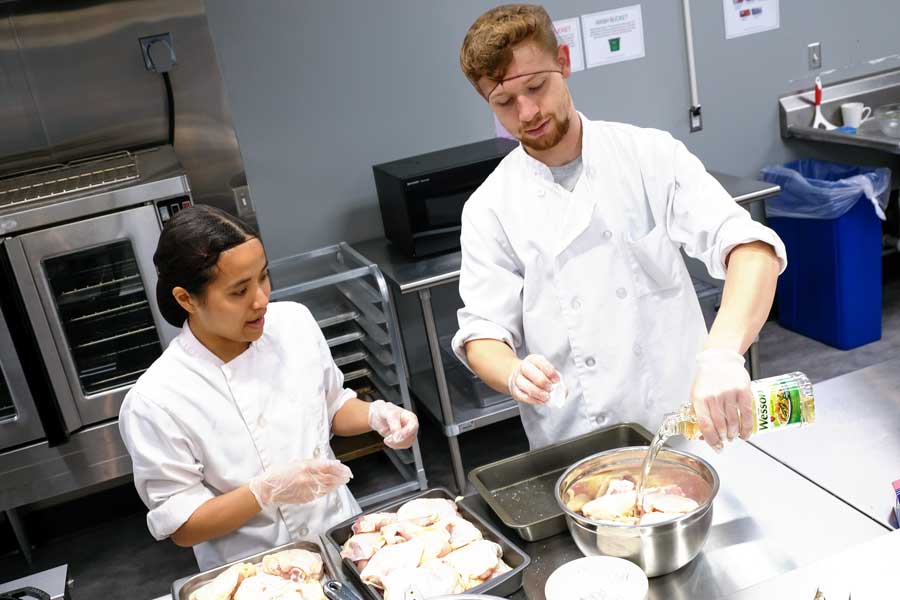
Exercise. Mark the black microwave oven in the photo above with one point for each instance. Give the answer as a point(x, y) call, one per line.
point(422, 197)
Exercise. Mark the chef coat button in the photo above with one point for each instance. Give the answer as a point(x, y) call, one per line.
point(304, 531)
point(589, 361)
point(600, 419)
point(317, 452)
point(637, 350)
point(576, 303)
point(607, 234)
point(621, 293)
point(541, 193)
point(261, 421)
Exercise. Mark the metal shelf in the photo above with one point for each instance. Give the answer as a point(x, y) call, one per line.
point(343, 334)
point(378, 335)
point(380, 353)
point(349, 298)
point(361, 296)
point(351, 355)
point(388, 375)
point(467, 414)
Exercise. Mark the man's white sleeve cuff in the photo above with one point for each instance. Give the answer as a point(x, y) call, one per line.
point(479, 330)
point(753, 232)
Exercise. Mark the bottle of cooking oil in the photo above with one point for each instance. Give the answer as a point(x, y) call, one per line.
point(779, 402)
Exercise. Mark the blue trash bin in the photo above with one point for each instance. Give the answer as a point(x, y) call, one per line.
point(829, 217)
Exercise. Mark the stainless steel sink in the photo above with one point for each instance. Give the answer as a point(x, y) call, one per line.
point(797, 111)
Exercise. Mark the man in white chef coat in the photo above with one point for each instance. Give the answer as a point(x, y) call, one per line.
point(571, 267)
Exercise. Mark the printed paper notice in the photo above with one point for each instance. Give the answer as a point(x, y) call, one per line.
point(612, 36)
point(568, 32)
point(746, 17)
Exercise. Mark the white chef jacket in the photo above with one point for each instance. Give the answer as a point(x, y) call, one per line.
point(197, 428)
point(593, 278)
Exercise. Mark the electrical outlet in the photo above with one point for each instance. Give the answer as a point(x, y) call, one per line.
point(164, 60)
point(814, 54)
point(242, 200)
point(696, 116)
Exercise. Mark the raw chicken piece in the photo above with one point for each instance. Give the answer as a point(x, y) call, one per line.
point(271, 587)
point(373, 522)
point(264, 585)
point(598, 485)
point(427, 511)
point(436, 541)
point(612, 507)
point(651, 518)
point(435, 578)
point(435, 538)
point(400, 531)
point(295, 564)
point(577, 501)
point(462, 533)
point(390, 558)
point(310, 590)
point(362, 546)
point(225, 583)
point(669, 503)
point(475, 562)
point(619, 486)
point(501, 569)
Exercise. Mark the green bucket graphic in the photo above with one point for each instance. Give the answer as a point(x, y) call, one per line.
point(615, 44)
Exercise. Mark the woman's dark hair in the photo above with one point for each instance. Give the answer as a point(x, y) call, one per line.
point(188, 250)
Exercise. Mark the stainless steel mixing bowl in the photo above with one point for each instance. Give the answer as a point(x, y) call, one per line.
point(659, 548)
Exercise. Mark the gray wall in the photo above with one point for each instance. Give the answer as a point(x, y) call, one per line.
point(322, 90)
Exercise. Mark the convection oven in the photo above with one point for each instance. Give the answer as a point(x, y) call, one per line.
point(79, 321)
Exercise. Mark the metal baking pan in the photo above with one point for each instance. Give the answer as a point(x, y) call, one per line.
point(183, 588)
point(503, 585)
point(520, 489)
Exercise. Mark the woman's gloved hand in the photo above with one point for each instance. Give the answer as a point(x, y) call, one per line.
point(532, 380)
point(299, 482)
point(396, 425)
point(721, 397)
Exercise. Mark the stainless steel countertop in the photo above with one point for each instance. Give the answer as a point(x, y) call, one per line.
point(798, 109)
point(767, 521)
point(412, 275)
point(853, 449)
point(866, 571)
point(770, 525)
point(53, 581)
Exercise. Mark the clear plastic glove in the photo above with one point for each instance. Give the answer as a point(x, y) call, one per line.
point(721, 397)
point(532, 380)
point(299, 482)
point(396, 425)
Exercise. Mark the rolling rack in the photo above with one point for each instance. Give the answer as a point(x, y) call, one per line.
point(348, 296)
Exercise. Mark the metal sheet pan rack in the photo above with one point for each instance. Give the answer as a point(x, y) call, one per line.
point(348, 296)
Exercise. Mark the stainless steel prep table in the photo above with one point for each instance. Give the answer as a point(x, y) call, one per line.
point(866, 571)
point(767, 521)
point(856, 440)
point(409, 276)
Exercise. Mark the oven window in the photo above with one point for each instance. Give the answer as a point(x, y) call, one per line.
point(7, 408)
point(105, 314)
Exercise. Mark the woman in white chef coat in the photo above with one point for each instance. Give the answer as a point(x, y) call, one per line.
point(229, 429)
point(571, 256)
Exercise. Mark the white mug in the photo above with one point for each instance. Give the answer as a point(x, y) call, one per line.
point(855, 113)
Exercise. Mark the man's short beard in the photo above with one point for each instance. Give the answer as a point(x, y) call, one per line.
point(550, 140)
